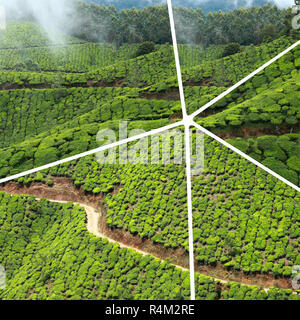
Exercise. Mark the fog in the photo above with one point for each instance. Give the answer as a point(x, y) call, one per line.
point(51, 14)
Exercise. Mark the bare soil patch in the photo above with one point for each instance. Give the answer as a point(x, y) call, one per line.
point(247, 132)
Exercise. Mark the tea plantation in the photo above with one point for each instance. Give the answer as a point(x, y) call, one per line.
point(244, 218)
point(261, 117)
point(52, 108)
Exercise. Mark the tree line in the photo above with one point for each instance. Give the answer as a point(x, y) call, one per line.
point(100, 23)
point(245, 26)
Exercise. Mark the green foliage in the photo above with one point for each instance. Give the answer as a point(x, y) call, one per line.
point(47, 244)
point(235, 223)
point(48, 116)
point(145, 48)
point(82, 57)
point(280, 154)
point(269, 99)
point(243, 25)
point(208, 68)
point(53, 251)
point(230, 49)
point(243, 217)
point(269, 33)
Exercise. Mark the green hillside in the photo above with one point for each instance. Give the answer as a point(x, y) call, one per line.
point(244, 220)
point(268, 104)
point(62, 261)
point(214, 75)
point(28, 34)
point(94, 229)
point(234, 203)
point(54, 99)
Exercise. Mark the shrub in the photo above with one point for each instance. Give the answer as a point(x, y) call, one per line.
point(231, 49)
point(269, 33)
point(145, 48)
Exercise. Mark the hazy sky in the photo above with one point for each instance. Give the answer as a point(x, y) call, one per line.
point(284, 3)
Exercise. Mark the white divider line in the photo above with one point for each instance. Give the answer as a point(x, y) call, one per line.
point(190, 210)
point(177, 60)
point(187, 122)
point(87, 153)
point(251, 75)
point(258, 164)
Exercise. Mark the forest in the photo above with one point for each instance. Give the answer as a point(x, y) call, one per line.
point(104, 24)
point(206, 6)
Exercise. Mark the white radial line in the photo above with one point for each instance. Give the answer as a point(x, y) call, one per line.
point(251, 75)
point(190, 210)
point(177, 60)
point(258, 164)
point(186, 121)
point(87, 153)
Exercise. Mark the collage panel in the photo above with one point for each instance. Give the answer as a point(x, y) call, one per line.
point(262, 117)
point(85, 216)
point(222, 42)
point(246, 230)
point(69, 69)
point(95, 229)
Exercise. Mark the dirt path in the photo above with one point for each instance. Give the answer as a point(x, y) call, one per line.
point(64, 191)
point(93, 222)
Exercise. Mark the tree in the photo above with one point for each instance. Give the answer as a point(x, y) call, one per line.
point(269, 33)
point(145, 48)
point(230, 49)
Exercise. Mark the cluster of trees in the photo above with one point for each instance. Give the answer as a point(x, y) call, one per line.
point(99, 23)
point(279, 153)
point(244, 26)
point(213, 5)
